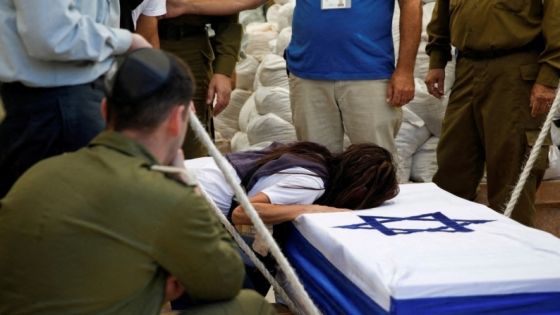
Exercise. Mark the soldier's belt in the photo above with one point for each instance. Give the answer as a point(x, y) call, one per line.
point(168, 31)
point(497, 53)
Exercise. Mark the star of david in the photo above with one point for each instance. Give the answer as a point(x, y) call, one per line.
point(444, 224)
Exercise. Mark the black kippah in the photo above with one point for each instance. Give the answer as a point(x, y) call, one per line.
point(138, 75)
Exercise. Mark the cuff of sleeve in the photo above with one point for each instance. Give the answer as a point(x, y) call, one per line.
point(548, 76)
point(225, 65)
point(438, 59)
point(122, 41)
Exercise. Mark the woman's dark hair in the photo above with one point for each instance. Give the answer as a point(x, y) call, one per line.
point(310, 151)
point(363, 176)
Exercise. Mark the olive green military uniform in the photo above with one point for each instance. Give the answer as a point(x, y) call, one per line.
point(505, 46)
point(98, 232)
point(186, 37)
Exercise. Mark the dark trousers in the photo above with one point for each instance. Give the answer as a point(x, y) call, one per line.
point(197, 52)
point(42, 122)
point(488, 124)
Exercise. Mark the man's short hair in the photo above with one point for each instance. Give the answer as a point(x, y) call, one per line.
point(144, 86)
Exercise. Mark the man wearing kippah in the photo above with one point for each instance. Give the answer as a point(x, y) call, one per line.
point(106, 229)
point(508, 69)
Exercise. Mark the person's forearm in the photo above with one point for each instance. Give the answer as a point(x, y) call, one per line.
point(275, 213)
point(213, 7)
point(410, 27)
point(270, 213)
point(147, 26)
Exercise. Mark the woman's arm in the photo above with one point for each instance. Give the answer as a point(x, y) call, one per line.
point(274, 214)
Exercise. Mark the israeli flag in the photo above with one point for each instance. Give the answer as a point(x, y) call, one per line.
point(425, 252)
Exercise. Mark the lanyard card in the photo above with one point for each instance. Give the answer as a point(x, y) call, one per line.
point(335, 4)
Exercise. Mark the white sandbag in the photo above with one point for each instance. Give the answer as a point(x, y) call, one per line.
point(273, 16)
point(275, 100)
point(258, 36)
point(245, 72)
point(553, 171)
point(555, 134)
point(412, 134)
point(227, 122)
point(429, 108)
point(287, 12)
point(260, 145)
point(247, 113)
point(271, 72)
point(270, 128)
point(240, 142)
point(424, 162)
point(247, 17)
point(283, 41)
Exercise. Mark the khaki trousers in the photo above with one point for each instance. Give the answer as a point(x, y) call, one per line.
point(323, 111)
point(488, 122)
point(197, 52)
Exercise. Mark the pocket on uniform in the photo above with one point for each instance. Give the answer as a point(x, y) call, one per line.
point(510, 5)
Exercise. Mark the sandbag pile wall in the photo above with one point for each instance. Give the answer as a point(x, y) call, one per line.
point(259, 110)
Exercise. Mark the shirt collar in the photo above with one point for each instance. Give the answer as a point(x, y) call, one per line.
point(118, 142)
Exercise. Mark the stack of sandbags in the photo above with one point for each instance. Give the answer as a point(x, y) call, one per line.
point(260, 104)
point(227, 122)
point(245, 72)
point(412, 135)
point(258, 37)
point(271, 72)
point(417, 139)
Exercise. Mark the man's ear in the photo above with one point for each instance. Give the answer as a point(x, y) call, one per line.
point(176, 120)
point(104, 113)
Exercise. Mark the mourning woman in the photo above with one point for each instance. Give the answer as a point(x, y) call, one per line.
point(286, 180)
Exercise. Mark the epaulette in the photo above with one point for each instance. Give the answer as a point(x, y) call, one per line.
point(178, 173)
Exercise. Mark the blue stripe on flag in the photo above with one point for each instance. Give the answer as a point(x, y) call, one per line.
point(333, 293)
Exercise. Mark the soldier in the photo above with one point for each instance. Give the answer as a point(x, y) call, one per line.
point(210, 46)
point(98, 231)
point(507, 71)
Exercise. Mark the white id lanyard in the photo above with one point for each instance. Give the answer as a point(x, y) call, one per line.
point(335, 4)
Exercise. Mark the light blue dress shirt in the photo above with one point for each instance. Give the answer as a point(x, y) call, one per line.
point(46, 43)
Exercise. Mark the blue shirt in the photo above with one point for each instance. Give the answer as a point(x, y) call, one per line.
point(342, 44)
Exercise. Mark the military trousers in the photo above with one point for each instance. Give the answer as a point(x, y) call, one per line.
point(488, 124)
point(247, 302)
point(197, 52)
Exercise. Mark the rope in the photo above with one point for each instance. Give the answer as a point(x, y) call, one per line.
point(532, 158)
point(302, 298)
point(231, 229)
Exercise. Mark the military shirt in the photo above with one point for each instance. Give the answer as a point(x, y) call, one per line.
point(225, 43)
point(97, 232)
point(486, 25)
